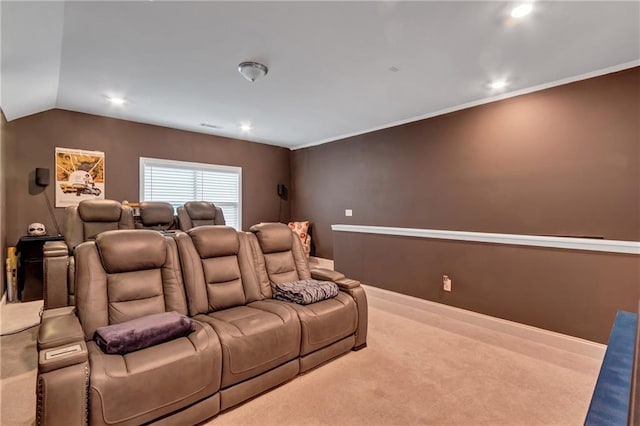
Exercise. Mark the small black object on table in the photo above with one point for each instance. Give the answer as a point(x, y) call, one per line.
point(30, 264)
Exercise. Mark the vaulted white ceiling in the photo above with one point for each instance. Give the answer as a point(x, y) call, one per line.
point(335, 68)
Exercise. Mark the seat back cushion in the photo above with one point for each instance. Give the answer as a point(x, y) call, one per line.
point(285, 260)
point(156, 214)
point(92, 229)
point(218, 269)
point(124, 275)
point(91, 217)
point(73, 227)
point(100, 210)
point(200, 210)
point(199, 213)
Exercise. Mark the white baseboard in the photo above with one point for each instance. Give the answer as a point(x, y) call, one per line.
point(538, 335)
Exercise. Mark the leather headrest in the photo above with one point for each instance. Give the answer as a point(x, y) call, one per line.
point(200, 210)
point(131, 250)
point(156, 213)
point(273, 237)
point(215, 240)
point(99, 210)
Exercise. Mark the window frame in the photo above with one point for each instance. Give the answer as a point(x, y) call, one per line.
point(193, 166)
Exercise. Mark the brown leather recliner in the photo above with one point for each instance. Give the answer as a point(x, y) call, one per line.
point(246, 341)
point(199, 213)
point(222, 290)
point(157, 216)
point(330, 327)
point(121, 276)
point(81, 223)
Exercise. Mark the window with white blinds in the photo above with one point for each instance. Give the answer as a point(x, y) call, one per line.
point(177, 182)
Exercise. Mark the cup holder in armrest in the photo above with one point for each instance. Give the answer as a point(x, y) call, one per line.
point(62, 356)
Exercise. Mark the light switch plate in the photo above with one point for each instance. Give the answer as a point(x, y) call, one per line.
point(348, 212)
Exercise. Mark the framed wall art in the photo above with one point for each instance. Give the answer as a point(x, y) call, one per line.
point(79, 176)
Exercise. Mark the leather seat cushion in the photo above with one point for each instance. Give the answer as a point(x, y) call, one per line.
point(255, 338)
point(325, 322)
point(100, 211)
point(92, 229)
point(131, 250)
point(153, 381)
point(215, 241)
point(273, 237)
point(200, 210)
point(204, 222)
point(156, 213)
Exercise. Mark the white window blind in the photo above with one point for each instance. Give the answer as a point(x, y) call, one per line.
point(177, 182)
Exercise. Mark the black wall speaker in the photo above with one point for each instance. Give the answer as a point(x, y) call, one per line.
point(282, 190)
point(42, 177)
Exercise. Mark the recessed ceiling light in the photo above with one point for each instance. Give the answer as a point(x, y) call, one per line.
point(498, 84)
point(521, 10)
point(116, 101)
point(245, 128)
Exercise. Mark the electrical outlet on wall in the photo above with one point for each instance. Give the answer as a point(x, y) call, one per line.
point(446, 283)
point(348, 212)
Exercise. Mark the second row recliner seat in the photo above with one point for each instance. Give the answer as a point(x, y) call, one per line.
point(91, 217)
point(156, 215)
point(81, 223)
point(199, 213)
point(159, 215)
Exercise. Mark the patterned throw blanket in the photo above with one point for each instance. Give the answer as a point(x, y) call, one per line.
point(304, 292)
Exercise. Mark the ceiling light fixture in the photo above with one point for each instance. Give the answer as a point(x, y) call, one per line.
point(252, 71)
point(521, 10)
point(498, 84)
point(246, 128)
point(116, 101)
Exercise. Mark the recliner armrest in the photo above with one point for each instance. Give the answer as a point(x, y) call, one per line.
point(62, 356)
point(326, 274)
point(59, 329)
point(62, 385)
point(56, 262)
point(337, 277)
point(56, 312)
point(55, 248)
point(347, 283)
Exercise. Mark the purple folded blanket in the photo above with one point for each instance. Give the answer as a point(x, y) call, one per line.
point(143, 332)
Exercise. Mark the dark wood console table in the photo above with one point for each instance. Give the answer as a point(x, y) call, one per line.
point(30, 266)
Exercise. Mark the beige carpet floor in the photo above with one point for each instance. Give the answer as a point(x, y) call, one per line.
point(18, 316)
point(419, 368)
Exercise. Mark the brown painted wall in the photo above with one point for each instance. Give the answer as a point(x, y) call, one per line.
point(562, 161)
point(572, 292)
point(124, 142)
point(634, 401)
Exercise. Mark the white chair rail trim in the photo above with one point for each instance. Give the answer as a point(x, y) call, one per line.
point(609, 246)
